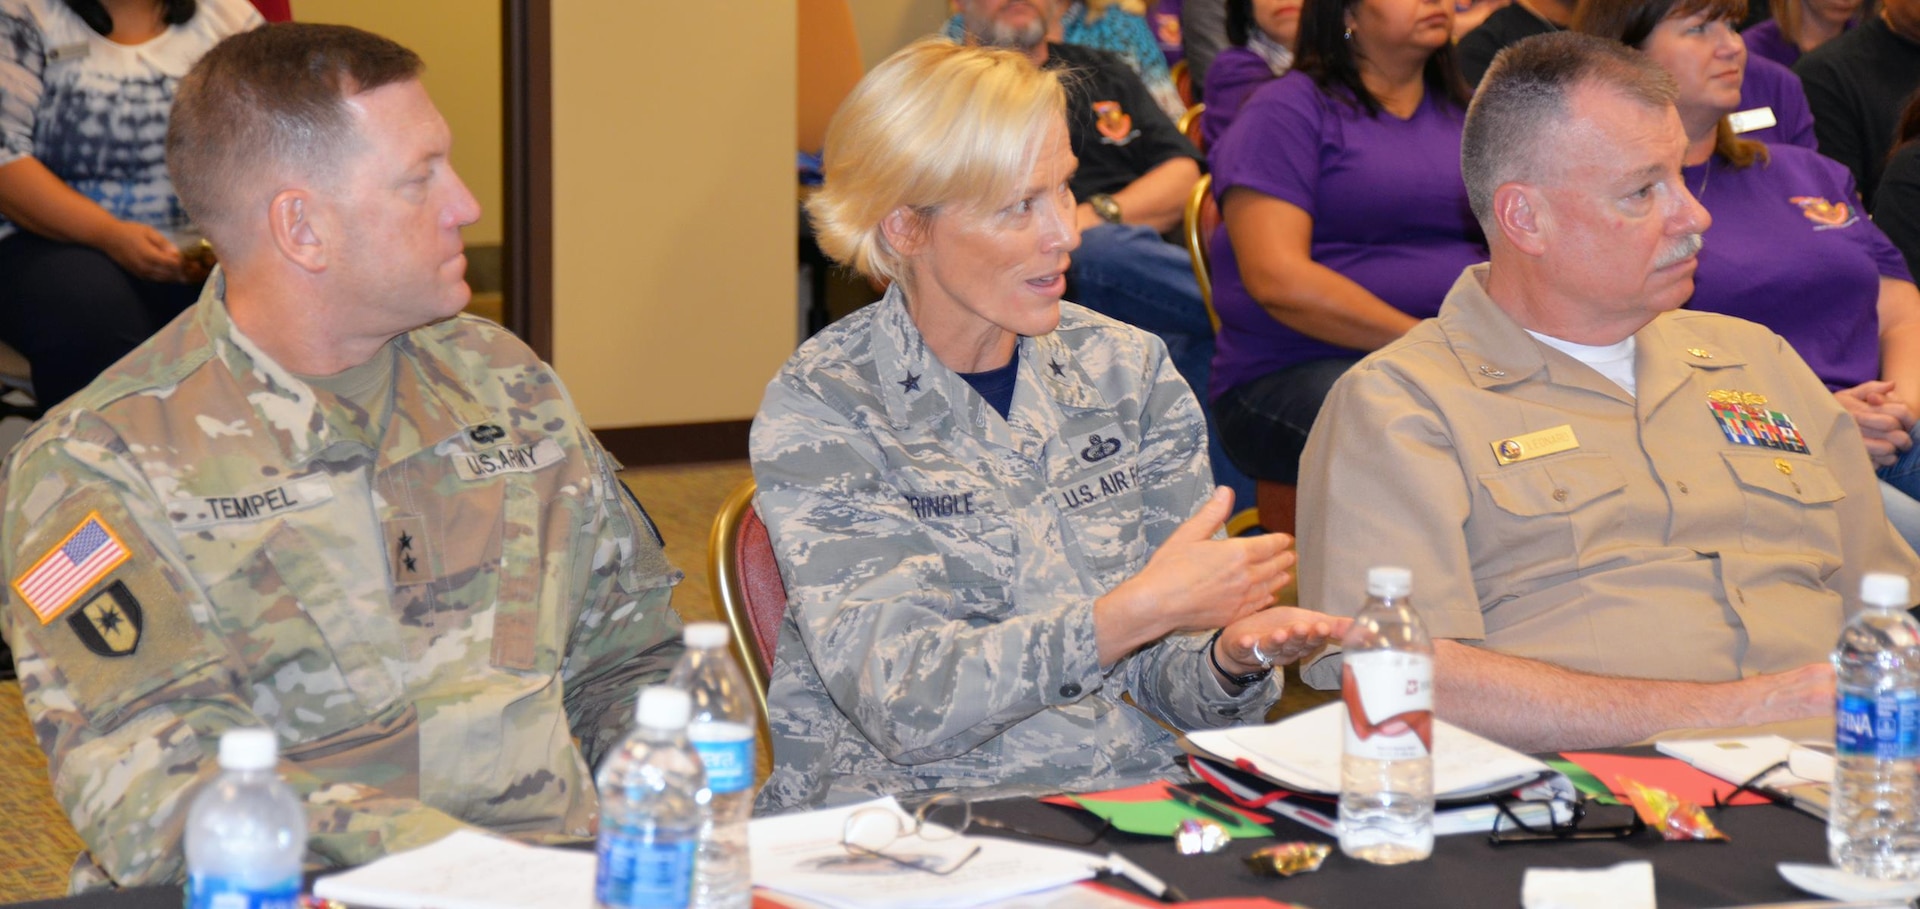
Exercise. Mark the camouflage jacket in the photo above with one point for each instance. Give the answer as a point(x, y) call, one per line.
point(942, 562)
point(194, 544)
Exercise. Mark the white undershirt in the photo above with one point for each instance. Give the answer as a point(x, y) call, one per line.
point(1615, 361)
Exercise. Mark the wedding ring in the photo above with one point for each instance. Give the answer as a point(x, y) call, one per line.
point(1266, 662)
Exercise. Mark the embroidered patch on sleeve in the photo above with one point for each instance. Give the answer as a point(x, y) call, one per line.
point(87, 554)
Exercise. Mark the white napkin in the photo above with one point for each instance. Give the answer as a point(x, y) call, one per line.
point(1834, 884)
point(1628, 885)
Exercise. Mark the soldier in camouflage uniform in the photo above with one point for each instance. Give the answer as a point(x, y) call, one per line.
point(420, 570)
point(983, 500)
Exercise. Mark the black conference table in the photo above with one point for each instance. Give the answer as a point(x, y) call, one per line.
point(1465, 872)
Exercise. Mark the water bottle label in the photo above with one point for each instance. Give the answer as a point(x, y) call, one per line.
point(206, 891)
point(729, 763)
point(1389, 697)
point(641, 872)
point(1884, 726)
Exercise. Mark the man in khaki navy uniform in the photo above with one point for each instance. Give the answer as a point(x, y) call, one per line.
point(1620, 519)
point(323, 502)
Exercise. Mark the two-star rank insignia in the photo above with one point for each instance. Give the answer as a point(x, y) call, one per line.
point(404, 549)
point(910, 383)
point(110, 623)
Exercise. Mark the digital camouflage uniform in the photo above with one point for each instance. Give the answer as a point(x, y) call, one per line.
point(942, 562)
point(428, 626)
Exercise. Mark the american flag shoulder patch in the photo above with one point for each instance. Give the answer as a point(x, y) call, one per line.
point(89, 553)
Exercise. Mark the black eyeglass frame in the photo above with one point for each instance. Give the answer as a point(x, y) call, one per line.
point(1557, 831)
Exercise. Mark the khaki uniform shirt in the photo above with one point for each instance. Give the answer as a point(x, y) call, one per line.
point(941, 563)
point(1627, 534)
point(198, 541)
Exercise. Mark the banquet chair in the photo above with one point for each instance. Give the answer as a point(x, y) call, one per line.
point(1189, 126)
point(746, 581)
point(1273, 502)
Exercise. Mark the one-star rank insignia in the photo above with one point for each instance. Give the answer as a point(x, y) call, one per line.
point(110, 623)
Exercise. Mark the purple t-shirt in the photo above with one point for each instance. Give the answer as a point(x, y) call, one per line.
point(1790, 249)
point(1234, 76)
point(1768, 84)
point(1388, 206)
point(1765, 40)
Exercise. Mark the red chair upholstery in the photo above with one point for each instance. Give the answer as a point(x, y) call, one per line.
point(746, 581)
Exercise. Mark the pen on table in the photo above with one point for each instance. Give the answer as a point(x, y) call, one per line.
point(1203, 805)
point(1140, 877)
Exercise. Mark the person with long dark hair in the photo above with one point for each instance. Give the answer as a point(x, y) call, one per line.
point(96, 253)
point(1260, 37)
point(1789, 247)
point(1345, 220)
point(1897, 209)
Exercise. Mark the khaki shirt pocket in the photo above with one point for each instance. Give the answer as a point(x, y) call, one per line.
point(1546, 512)
point(1789, 503)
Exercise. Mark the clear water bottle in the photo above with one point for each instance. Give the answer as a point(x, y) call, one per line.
point(653, 805)
point(1386, 680)
point(722, 730)
point(1873, 822)
point(246, 831)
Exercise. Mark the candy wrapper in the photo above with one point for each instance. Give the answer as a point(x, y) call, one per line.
point(1200, 837)
point(1675, 818)
point(1288, 859)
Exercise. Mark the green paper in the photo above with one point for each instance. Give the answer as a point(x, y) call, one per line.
point(1163, 817)
point(1588, 784)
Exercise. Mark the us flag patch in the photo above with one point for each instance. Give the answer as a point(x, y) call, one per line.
point(62, 575)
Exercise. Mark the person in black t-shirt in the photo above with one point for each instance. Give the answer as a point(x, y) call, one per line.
point(1510, 23)
point(1856, 84)
point(1136, 173)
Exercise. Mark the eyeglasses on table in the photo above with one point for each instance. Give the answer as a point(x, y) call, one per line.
point(875, 833)
point(1561, 820)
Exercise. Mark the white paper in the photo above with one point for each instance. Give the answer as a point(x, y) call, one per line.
point(468, 870)
point(1834, 884)
point(1628, 885)
point(1303, 753)
point(801, 854)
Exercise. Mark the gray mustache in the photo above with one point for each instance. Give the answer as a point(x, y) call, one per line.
point(1682, 248)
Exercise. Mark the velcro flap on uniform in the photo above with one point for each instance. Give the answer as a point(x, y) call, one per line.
point(478, 465)
point(249, 506)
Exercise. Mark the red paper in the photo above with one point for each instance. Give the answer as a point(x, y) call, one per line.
point(1672, 774)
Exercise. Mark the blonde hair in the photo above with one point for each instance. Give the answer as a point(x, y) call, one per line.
point(937, 125)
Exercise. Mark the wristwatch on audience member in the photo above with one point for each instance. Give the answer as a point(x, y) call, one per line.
point(1240, 680)
point(1106, 207)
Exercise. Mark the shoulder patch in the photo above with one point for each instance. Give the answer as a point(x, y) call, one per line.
point(87, 554)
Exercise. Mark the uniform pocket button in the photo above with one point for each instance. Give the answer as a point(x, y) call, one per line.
point(1070, 690)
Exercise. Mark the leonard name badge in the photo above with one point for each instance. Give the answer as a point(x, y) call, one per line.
point(1535, 444)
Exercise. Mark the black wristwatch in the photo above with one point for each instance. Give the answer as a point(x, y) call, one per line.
point(1240, 680)
point(1106, 207)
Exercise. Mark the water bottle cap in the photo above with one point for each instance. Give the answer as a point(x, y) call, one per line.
point(661, 707)
point(1883, 589)
point(248, 749)
point(1389, 581)
point(706, 635)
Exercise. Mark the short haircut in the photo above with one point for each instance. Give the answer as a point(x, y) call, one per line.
point(937, 125)
point(1526, 96)
point(272, 100)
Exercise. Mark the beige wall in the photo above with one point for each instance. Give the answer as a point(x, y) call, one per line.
point(674, 218)
point(460, 42)
point(886, 26)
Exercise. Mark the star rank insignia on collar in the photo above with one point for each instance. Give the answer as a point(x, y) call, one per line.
point(110, 623)
point(1058, 369)
point(910, 383)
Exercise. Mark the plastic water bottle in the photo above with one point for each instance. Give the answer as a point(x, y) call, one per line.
point(1873, 821)
point(722, 730)
point(653, 805)
point(246, 831)
point(1386, 679)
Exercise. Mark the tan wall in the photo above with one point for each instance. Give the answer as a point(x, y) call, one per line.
point(886, 26)
point(460, 41)
point(674, 218)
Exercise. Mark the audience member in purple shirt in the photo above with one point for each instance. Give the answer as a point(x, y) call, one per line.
point(1789, 247)
point(1261, 34)
point(1798, 26)
point(1345, 220)
point(1775, 88)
